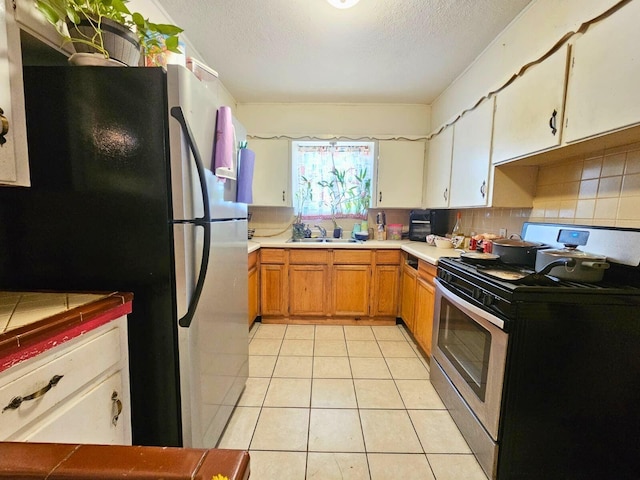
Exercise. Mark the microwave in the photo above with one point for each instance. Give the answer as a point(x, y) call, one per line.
point(427, 222)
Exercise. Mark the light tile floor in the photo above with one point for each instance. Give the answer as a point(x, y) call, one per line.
point(352, 403)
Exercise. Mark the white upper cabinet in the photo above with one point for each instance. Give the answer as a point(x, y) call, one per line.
point(439, 169)
point(271, 174)
point(14, 161)
point(400, 173)
point(603, 93)
point(471, 157)
point(528, 116)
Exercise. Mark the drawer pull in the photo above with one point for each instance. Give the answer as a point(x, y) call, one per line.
point(116, 408)
point(17, 401)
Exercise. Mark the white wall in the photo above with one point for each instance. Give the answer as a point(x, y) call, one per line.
point(526, 39)
point(335, 119)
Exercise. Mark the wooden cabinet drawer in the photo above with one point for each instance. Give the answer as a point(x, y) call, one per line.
point(426, 270)
point(352, 256)
point(387, 257)
point(308, 257)
point(78, 362)
point(252, 260)
point(273, 255)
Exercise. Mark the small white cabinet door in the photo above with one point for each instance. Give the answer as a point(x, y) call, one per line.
point(471, 158)
point(439, 169)
point(400, 173)
point(271, 174)
point(528, 116)
point(14, 161)
point(603, 93)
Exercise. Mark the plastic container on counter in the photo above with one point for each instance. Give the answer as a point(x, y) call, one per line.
point(394, 231)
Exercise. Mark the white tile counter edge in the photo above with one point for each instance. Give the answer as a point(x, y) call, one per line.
point(421, 250)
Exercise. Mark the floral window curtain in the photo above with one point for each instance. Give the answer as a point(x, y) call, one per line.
point(332, 179)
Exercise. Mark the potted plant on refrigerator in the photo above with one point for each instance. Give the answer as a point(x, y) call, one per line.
point(107, 29)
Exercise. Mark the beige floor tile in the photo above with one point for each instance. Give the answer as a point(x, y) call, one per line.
point(254, 392)
point(330, 348)
point(419, 395)
point(396, 349)
point(288, 392)
point(335, 430)
point(300, 332)
point(298, 348)
point(389, 333)
point(278, 465)
point(437, 431)
point(293, 367)
point(363, 348)
point(389, 431)
point(354, 332)
point(261, 365)
point(240, 428)
point(329, 332)
point(331, 367)
point(406, 466)
point(338, 466)
point(281, 429)
point(333, 393)
point(455, 467)
point(407, 368)
point(369, 368)
point(271, 331)
point(377, 394)
point(254, 328)
point(264, 346)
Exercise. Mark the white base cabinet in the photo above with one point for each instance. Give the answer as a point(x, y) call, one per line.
point(80, 391)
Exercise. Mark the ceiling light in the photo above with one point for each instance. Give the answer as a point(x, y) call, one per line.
point(343, 3)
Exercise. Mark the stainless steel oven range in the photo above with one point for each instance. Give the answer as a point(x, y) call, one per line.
point(542, 375)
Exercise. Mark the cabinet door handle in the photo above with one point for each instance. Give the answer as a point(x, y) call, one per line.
point(483, 188)
point(116, 408)
point(446, 194)
point(380, 196)
point(552, 122)
point(4, 127)
point(283, 195)
point(17, 401)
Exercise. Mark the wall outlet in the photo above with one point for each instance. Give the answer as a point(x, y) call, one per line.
point(503, 232)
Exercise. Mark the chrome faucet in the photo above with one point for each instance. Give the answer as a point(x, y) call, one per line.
point(323, 231)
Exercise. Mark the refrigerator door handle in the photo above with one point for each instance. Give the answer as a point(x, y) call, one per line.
point(204, 222)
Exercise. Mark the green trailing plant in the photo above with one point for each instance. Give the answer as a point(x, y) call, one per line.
point(303, 195)
point(362, 193)
point(152, 36)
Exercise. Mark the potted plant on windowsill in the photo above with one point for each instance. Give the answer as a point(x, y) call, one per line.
point(107, 28)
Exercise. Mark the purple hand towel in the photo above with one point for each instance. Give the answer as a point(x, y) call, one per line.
point(245, 176)
point(225, 144)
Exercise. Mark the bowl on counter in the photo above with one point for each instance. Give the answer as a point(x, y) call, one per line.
point(361, 236)
point(443, 242)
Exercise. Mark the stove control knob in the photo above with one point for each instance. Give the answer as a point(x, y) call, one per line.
point(487, 299)
point(476, 294)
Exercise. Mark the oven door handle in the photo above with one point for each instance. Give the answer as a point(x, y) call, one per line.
point(469, 308)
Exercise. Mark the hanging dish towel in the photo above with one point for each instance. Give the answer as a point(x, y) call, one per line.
point(224, 151)
point(245, 176)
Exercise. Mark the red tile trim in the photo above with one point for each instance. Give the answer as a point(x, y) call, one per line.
point(31, 340)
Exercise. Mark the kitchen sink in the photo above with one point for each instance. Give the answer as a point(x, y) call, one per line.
point(323, 240)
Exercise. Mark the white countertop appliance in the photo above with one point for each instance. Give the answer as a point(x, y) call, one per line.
point(540, 374)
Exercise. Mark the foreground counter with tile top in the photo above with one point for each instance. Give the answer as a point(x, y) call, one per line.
point(64, 369)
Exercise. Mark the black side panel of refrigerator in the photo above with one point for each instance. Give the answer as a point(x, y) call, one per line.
point(97, 216)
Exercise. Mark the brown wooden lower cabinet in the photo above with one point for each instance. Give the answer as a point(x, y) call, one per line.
point(418, 295)
point(253, 287)
point(341, 285)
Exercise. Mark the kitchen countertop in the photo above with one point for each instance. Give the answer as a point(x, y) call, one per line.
point(420, 250)
point(33, 322)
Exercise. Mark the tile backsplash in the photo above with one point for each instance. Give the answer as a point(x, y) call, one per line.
point(599, 188)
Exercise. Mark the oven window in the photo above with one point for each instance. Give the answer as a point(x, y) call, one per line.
point(467, 346)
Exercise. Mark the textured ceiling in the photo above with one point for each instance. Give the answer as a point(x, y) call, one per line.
point(380, 51)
